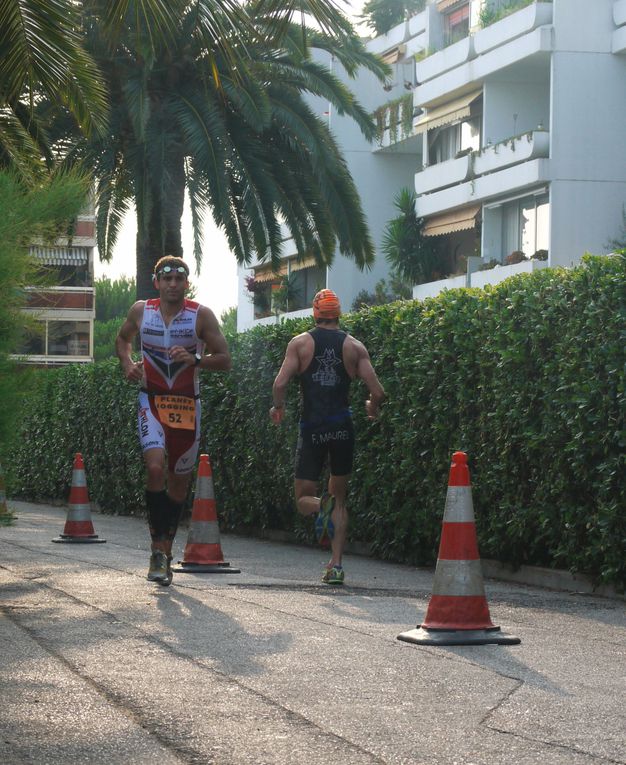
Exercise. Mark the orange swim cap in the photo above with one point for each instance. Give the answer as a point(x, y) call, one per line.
point(326, 305)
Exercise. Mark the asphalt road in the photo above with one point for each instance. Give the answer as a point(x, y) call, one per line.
point(97, 665)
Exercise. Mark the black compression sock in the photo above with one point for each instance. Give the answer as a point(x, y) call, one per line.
point(156, 505)
point(174, 512)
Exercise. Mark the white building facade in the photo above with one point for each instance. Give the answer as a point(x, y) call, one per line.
point(509, 124)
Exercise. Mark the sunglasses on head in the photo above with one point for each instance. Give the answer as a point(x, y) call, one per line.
point(172, 270)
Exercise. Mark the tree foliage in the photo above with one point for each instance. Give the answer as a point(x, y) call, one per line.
point(527, 377)
point(383, 15)
point(45, 211)
point(243, 143)
point(114, 297)
point(413, 256)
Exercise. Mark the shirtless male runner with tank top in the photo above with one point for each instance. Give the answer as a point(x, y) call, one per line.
point(178, 337)
point(326, 359)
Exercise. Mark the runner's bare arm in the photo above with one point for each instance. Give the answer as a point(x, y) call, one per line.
point(289, 368)
point(366, 372)
point(133, 371)
point(216, 356)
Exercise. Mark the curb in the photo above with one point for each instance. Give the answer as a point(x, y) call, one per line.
point(535, 576)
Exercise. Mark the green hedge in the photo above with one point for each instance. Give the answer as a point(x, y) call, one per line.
point(527, 377)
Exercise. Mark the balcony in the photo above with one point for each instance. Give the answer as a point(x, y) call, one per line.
point(513, 151)
point(443, 174)
point(478, 279)
point(498, 274)
point(509, 179)
point(445, 60)
point(63, 299)
point(490, 159)
point(509, 28)
point(519, 37)
point(395, 126)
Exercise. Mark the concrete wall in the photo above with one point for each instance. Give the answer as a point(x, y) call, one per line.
point(588, 148)
point(505, 98)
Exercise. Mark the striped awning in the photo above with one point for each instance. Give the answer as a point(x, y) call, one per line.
point(449, 222)
point(443, 5)
point(61, 256)
point(394, 55)
point(309, 262)
point(267, 274)
point(447, 113)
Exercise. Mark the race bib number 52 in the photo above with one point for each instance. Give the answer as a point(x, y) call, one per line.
point(176, 411)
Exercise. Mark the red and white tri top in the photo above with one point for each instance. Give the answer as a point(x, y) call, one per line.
point(162, 374)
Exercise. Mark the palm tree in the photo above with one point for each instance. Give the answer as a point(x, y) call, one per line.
point(229, 125)
point(413, 256)
point(42, 56)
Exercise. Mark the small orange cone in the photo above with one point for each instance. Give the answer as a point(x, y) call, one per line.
point(203, 553)
point(458, 613)
point(78, 525)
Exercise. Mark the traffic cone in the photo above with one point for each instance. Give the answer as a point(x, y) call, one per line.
point(203, 552)
point(458, 613)
point(6, 516)
point(78, 525)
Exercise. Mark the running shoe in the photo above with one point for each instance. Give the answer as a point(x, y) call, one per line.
point(158, 567)
point(170, 576)
point(333, 575)
point(324, 527)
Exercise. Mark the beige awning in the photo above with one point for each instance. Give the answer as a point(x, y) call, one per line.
point(394, 55)
point(267, 273)
point(447, 113)
point(308, 262)
point(61, 256)
point(443, 5)
point(448, 223)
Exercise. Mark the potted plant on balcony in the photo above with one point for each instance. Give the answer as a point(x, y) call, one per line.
point(517, 256)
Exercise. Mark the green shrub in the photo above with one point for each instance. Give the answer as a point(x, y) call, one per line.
point(527, 377)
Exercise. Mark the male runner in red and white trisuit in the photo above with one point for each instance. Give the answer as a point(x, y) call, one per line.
point(178, 338)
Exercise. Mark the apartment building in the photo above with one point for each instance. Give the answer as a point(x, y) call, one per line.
point(65, 307)
point(507, 118)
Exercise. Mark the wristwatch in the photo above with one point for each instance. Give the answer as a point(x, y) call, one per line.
point(198, 359)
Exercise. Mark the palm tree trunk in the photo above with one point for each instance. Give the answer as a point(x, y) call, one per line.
point(163, 230)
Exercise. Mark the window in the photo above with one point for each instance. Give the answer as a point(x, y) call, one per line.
point(456, 24)
point(58, 338)
point(446, 142)
point(290, 290)
point(525, 225)
point(307, 282)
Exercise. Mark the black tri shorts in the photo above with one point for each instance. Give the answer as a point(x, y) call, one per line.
point(334, 441)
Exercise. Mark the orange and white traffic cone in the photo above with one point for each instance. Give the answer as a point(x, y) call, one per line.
point(203, 552)
point(458, 613)
point(78, 525)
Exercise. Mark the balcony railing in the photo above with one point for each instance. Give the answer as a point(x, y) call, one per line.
point(61, 298)
point(490, 159)
point(482, 41)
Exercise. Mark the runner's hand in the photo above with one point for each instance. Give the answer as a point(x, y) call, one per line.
point(133, 371)
point(180, 354)
point(276, 415)
point(372, 409)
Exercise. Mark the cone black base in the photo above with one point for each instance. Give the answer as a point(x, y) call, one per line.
point(79, 540)
point(205, 568)
point(489, 636)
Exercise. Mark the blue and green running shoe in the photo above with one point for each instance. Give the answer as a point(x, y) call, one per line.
point(324, 527)
point(333, 575)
